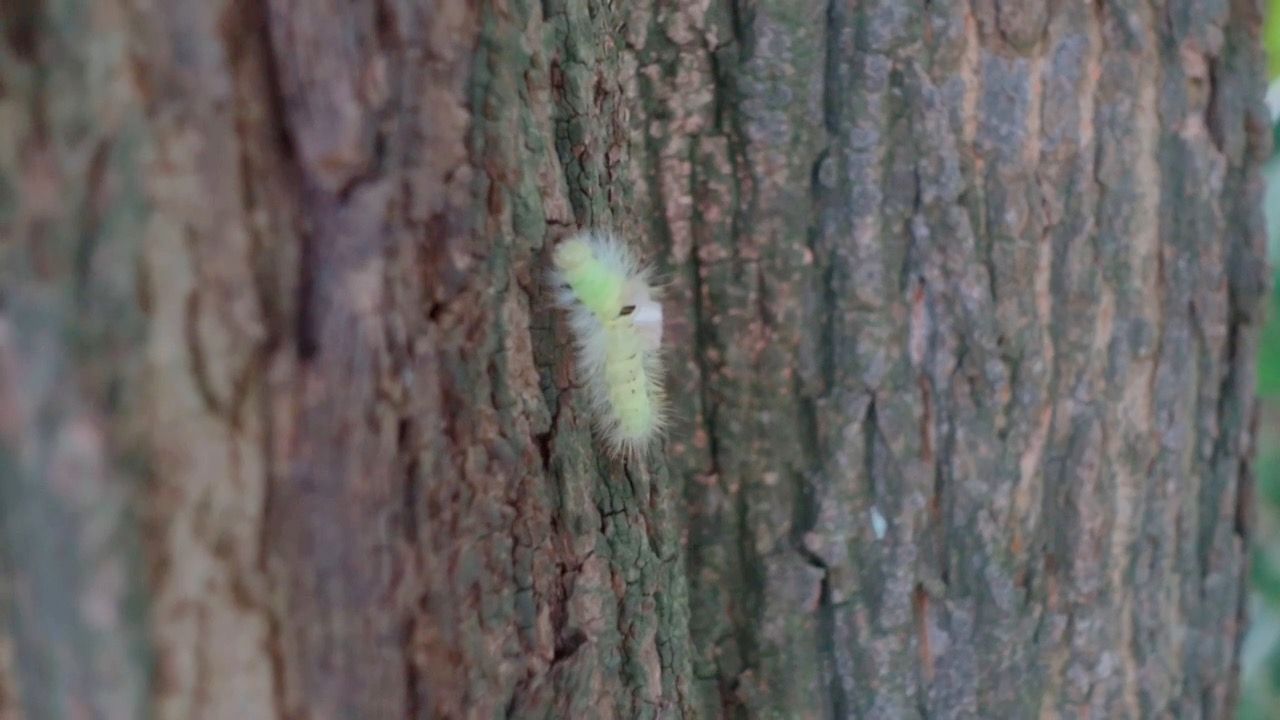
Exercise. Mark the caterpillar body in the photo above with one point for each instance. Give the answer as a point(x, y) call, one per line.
point(616, 321)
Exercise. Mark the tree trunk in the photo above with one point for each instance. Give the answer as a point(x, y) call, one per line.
point(962, 302)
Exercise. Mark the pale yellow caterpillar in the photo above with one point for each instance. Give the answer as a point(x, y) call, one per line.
point(617, 327)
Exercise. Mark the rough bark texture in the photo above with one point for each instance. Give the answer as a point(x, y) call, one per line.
point(72, 455)
point(962, 304)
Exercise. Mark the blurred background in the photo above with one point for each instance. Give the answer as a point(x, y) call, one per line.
point(1261, 655)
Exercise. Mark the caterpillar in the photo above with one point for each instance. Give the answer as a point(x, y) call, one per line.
point(616, 320)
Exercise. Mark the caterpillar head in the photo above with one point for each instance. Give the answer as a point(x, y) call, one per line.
point(572, 255)
point(592, 282)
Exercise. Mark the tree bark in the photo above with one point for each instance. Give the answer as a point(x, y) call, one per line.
point(962, 305)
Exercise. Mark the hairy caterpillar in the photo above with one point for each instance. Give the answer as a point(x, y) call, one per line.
point(617, 327)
